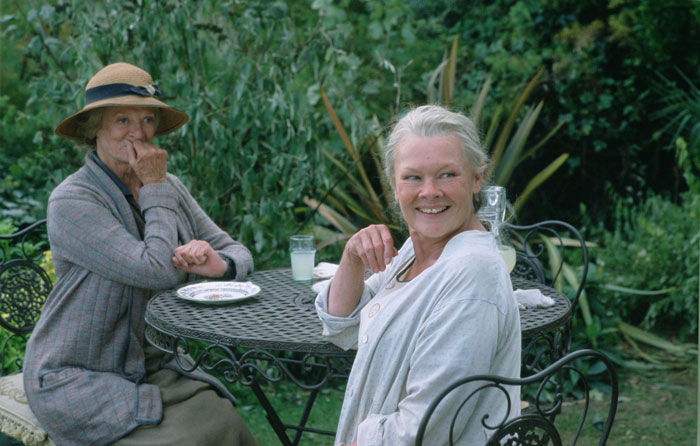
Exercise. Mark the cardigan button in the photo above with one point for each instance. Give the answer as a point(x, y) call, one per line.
point(365, 338)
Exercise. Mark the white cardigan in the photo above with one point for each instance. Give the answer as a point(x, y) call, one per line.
point(457, 318)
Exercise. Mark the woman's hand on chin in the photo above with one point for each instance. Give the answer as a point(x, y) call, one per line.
point(148, 162)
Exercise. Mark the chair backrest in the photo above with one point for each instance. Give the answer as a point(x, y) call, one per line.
point(541, 258)
point(540, 252)
point(24, 285)
point(536, 425)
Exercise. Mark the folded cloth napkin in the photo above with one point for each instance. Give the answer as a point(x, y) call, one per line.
point(320, 286)
point(532, 298)
point(325, 270)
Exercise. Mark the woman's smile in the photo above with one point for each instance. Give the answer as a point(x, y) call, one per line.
point(433, 210)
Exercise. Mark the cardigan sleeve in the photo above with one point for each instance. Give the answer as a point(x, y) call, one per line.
point(85, 232)
point(205, 229)
point(342, 331)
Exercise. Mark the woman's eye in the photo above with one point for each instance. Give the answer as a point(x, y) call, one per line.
point(123, 120)
point(149, 120)
point(447, 175)
point(411, 177)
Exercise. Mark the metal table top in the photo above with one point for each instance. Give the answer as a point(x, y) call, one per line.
point(282, 317)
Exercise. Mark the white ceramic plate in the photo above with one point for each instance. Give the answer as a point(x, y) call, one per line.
point(218, 292)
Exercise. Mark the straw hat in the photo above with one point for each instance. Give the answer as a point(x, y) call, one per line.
point(123, 84)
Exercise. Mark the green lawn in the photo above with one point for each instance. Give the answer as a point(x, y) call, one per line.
point(289, 403)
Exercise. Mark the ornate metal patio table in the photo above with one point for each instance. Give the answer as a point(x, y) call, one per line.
point(279, 327)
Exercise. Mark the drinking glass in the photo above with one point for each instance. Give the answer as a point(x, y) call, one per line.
point(494, 207)
point(494, 212)
point(302, 249)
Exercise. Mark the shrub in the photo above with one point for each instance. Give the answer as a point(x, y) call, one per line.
point(653, 247)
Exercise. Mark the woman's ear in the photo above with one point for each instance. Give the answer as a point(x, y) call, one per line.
point(477, 182)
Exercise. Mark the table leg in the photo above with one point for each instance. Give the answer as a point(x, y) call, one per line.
point(270, 412)
point(305, 416)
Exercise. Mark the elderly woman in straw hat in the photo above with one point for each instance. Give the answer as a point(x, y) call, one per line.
point(120, 229)
point(439, 308)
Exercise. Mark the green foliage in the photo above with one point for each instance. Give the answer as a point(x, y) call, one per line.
point(689, 164)
point(654, 246)
point(250, 75)
point(601, 60)
point(28, 176)
point(682, 116)
point(508, 145)
point(681, 111)
point(357, 204)
point(32, 247)
point(14, 352)
point(47, 265)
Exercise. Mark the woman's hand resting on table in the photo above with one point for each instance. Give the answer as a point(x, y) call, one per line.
point(198, 257)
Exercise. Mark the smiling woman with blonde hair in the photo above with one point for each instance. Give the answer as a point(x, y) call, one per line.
point(122, 228)
point(439, 308)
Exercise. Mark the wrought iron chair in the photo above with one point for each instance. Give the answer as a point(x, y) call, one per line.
point(24, 285)
point(539, 257)
point(534, 427)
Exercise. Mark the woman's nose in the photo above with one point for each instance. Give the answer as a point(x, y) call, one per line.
point(136, 131)
point(430, 189)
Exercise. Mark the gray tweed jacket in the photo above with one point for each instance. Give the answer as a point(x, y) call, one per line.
point(84, 363)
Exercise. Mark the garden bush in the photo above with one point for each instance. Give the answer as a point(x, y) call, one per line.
point(646, 271)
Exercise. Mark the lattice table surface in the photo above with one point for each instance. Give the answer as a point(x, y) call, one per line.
point(282, 316)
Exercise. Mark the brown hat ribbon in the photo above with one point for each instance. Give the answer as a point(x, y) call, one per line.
point(115, 90)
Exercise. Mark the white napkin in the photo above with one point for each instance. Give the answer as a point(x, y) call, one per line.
point(325, 270)
point(532, 299)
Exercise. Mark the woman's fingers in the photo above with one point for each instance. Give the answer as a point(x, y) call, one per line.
point(198, 257)
point(374, 245)
point(195, 252)
point(149, 162)
point(375, 249)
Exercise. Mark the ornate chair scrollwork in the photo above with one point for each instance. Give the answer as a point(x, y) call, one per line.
point(535, 427)
point(540, 254)
point(24, 285)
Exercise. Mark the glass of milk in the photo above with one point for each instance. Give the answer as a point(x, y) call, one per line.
point(303, 251)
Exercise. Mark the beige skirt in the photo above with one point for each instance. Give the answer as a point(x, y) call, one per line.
point(193, 413)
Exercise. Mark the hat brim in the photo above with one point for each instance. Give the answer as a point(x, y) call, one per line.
point(170, 119)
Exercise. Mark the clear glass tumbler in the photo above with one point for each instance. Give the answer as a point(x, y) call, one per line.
point(302, 249)
point(493, 210)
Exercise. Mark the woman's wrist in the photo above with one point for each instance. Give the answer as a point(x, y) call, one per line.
point(230, 271)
